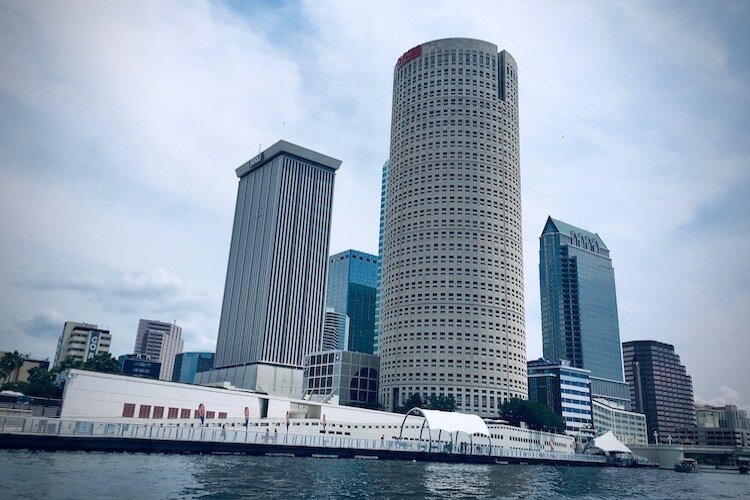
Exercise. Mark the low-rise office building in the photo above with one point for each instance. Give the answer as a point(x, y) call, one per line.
point(352, 376)
point(139, 365)
point(627, 426)
point(565, 390)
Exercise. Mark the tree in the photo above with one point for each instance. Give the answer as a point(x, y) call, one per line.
point(41, 383)
point(102, 362)
point(9, 363)
point(68, 363)
point(443, 403)
point(535, 415)
point(413, 401)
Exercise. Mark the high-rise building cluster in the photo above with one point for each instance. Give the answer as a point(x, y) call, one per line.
point(439, 312)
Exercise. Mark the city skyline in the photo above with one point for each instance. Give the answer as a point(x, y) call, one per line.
point(640, 108)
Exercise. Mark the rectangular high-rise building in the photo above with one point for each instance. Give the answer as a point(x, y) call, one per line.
point(352, 290)
point(579, 306)
point(659, 387)
point(274, 297)
point(81, 342)
point(160, 341)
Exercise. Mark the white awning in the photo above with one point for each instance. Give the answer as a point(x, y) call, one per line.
point(608, 443)
point(452, 421)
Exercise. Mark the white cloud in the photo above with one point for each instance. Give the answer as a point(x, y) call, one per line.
point(125, 121)
point(727, 396)
point(176, 93)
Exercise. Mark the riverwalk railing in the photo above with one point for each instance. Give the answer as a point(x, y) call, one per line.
point(242, 435)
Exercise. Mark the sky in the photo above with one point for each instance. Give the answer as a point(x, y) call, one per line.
point(121, 124)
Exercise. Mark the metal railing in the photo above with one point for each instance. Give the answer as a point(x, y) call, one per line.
point(62, 427)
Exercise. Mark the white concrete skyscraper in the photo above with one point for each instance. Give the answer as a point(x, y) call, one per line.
point(452, 310)
point(274, 296)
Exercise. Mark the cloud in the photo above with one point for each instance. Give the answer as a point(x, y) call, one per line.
point(121, 124)
point(157, 292)
point(727, 396)
point(46, 324)
point(146, 92)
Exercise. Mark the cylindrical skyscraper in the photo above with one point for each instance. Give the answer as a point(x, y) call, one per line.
point(452, 313)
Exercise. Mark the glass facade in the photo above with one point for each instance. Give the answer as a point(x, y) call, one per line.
point(187, 364)
point(579, 304)
point(629, 427)
point(352, 287)
point(352, 376)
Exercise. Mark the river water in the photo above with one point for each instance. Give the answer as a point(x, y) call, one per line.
point(60, 475)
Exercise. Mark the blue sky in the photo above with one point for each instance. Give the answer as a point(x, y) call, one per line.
point(121, 125)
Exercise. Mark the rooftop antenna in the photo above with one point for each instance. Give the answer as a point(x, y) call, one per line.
point(260, 147)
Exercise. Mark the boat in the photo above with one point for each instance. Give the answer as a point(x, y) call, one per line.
point(686, 465)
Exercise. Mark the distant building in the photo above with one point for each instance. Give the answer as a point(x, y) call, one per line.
point(187, 364)
point(335, 330)
point(564, 389)
point(659, 387)
point(160, 341)
point(351, 291)
point(140, 365)
point(721, 416)
point(381, 249)
point(274, 295)
point(718, 426)
point(81, 342)
point(22, 374)
point(629, 427)
point(579, 306)
point(352, 376)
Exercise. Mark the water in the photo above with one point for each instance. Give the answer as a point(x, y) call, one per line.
point(60, 475)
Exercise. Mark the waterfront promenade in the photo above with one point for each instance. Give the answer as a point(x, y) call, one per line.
point(79, 435)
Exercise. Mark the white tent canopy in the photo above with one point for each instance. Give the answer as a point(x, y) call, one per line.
point(452, 423)
point(608, 444)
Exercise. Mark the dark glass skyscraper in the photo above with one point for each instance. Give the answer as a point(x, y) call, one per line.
point(659, 387)
point(352, 286)
point(579, 306)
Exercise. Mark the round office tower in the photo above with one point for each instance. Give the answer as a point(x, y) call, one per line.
point(452, 311)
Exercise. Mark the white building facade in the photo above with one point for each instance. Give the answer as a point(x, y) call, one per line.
point(81, 342)
point(452, 303)
point(100, 397)
point(628, 426)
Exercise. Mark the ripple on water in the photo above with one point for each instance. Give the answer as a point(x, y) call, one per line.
point(108, 475)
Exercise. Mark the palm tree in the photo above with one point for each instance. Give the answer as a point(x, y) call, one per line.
point(10, 363)
point(102, 362)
